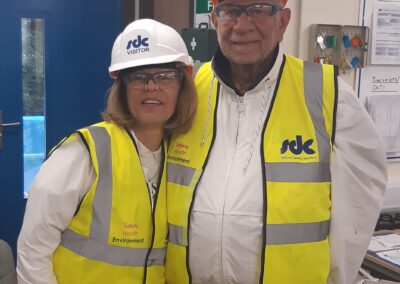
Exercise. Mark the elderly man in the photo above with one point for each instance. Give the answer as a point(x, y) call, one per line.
point(281, 178)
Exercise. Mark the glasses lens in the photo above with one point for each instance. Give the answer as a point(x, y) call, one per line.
point(163, 80)
point(167, 79)
point(255, 11)
point(228, 12)
point(259, 11)
point(135, 80)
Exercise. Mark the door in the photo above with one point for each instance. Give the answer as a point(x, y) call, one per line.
point(54, 56)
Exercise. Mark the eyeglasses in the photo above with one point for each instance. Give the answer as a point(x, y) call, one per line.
point(230, 12)
point(164, 80)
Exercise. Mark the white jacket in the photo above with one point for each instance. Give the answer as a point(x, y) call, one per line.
point(226, 221)
point(63, 180)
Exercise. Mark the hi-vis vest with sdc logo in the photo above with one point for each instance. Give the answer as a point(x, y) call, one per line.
point(114, 237)
point(296, 150)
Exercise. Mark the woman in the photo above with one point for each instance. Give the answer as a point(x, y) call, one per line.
point(96, 211)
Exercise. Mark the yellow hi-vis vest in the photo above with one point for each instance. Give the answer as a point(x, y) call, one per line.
point(114, 236)
point(297, 145)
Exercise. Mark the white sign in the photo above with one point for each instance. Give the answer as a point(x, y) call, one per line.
point(386, 34)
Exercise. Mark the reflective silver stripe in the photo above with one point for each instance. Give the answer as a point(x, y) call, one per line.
point(175, 235)
point(313, 90)
point(308, 172)
point(297, 172)
point(156, 257)
point(283, 234)
point(115, 255)
point(96, 247)
point(101, 214)
point(180, 174)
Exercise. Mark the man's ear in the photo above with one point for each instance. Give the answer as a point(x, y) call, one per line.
point(284, 20)
point(214, 20)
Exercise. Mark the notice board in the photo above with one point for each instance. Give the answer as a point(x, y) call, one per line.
point(378, 84)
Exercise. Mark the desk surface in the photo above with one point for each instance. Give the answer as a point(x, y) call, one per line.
point(374, 263)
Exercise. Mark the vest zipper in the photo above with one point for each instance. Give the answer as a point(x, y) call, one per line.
point(197, 184)
point(241, 109)
point(153, 209)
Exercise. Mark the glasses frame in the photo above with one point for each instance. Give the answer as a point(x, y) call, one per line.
point(147, 77)
point(240, 9)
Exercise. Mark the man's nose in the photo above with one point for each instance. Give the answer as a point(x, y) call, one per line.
point(244, 21)
point(244, 12)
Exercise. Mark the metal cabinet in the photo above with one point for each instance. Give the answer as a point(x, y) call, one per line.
point(344, 46)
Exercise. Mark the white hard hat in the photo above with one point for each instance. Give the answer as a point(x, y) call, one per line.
point(147, 42)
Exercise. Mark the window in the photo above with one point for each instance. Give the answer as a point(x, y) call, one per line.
point(33, 87)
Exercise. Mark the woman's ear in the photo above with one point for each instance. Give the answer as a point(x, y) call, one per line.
point(114, 74)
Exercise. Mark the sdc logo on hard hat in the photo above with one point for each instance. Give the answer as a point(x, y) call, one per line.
point(137, 42)
point(138, 45)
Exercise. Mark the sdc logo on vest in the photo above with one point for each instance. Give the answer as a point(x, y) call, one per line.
point(297, 146)
point(138, 45)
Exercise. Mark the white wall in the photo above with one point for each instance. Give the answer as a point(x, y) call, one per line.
point(296, 40)
point(291, 38)
point(308, 12)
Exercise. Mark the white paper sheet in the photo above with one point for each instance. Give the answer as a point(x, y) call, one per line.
point(385, 112)
point(384, 242)
point(386, 34)
point(391, 255)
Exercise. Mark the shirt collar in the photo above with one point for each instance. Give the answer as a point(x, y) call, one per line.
point(221, 68)
point(142, 149)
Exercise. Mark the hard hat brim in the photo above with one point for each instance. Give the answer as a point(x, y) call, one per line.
point(149, 61)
